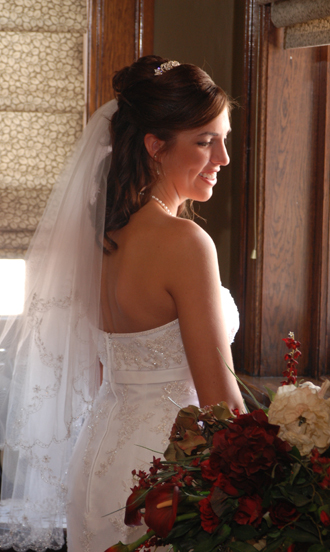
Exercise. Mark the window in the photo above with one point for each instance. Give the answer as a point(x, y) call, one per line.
point(12, 284)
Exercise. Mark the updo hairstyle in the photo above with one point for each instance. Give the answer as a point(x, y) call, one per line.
point(182, 98)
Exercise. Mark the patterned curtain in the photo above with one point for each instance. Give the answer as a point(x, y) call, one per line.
point(306, 22)
point(41, 108)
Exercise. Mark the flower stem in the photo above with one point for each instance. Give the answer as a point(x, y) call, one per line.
point(134, 545)
point(186, 516)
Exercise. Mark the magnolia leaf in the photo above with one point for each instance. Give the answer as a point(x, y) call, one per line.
point(190, 411)
point(221, 411)
point(173, 452)
point(190, 442)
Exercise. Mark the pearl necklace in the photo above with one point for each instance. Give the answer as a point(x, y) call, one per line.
point(162, 204)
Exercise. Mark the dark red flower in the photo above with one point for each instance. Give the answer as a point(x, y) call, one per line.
point(247, 451)
point(283, 513)
point(325, 518)
point(249, 510)
point(119, 547)
point(207, 472)
point(209, 519)
point(161, 505)
point(133, 505)
point(291, 343)
point(224, 484)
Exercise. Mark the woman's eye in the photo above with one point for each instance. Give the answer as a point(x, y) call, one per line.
point(204, 144)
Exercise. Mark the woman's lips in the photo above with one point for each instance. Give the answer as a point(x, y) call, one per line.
point(211, 178)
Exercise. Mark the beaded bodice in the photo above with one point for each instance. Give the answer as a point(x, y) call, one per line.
point(143, 357)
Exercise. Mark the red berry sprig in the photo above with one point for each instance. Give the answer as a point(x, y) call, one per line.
point(291, 359)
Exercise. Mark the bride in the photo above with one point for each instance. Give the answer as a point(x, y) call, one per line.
point(115, 250)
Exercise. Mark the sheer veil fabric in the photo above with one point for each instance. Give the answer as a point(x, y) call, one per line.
point(49, 372)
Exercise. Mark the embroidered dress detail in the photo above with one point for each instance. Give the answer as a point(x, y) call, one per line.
point(146, 378)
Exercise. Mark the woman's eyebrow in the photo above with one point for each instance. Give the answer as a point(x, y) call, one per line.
point(212, 133)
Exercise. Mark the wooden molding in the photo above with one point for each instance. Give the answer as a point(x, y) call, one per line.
point(119, 31)
point(322, 221)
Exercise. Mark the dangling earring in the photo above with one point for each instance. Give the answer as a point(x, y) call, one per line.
point(157, 168)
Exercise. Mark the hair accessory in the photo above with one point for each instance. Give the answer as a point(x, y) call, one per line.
point(167, 66)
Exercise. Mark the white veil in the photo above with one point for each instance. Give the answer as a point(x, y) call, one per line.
point(49, 368)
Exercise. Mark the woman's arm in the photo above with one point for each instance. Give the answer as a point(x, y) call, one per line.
point(194, 284)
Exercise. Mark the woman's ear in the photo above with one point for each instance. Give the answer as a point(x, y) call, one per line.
point(153, 144)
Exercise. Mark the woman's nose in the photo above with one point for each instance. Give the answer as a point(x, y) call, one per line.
point(220, 156)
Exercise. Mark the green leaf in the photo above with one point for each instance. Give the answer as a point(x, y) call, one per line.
point(295, 470)
point(305, 525)
point(238, 546)
point(318, 548)
point(295, 453)
point(244, 532)
point(181, 529)
point(296, 535)
point(299, 499)
point(271, 393)
point(214, 541)
point(273, 545)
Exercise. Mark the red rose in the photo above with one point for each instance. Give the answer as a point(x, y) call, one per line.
point(325, 518)
point(207, 472)
point(283, 513)
point(223, 483)
point(209, 519)
point(247, 451)
point(249, 510)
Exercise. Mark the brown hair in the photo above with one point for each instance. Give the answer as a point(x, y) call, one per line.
point(182, 98)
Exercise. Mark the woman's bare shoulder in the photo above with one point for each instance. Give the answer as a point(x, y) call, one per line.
point(191, 241)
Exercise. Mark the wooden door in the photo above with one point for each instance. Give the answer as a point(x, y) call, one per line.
point(285, 201)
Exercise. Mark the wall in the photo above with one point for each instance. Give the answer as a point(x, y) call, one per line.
point(204, 32)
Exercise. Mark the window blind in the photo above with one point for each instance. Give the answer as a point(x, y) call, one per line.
point(41, 108)
point(306, 22)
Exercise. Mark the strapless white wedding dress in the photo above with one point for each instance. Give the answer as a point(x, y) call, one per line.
point(146, 375)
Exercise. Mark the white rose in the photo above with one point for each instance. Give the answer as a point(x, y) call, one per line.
point(303, 416)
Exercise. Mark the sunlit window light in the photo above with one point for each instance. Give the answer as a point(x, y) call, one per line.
point(12, 284)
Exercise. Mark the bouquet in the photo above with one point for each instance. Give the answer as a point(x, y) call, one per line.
point(241, 482)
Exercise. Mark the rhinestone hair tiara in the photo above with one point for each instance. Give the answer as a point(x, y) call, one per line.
point(167, 66)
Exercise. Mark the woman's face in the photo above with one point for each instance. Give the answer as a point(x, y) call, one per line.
point(191, 166)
